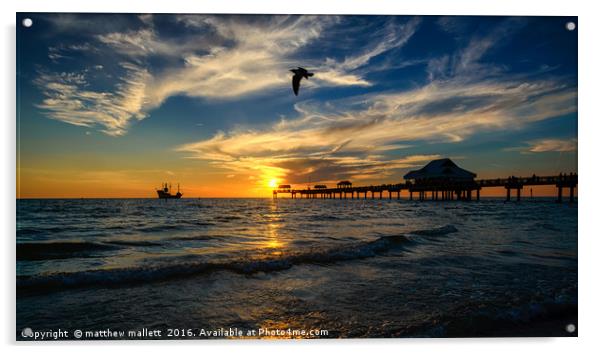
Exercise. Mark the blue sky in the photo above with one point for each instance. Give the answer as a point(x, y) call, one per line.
point(207, 99)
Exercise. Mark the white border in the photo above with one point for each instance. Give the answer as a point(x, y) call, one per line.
point(589, 167)
point(432, 7)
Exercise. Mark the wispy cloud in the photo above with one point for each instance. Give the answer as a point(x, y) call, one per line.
point(558, 145)
point(69, 100)
point(351, 137)
point(467, 63)
point(392, 35)
point(227, 57)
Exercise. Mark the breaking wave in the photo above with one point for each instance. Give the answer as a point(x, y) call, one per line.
point(242, 265)
point(183, 267)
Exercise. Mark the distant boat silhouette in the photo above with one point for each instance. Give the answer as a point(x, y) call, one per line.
point(165, 192)
point(299, 74)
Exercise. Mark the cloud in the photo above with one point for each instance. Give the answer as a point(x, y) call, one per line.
point(554, 145)
point(134, 43)
point(213, 57)
point(68, 99)
point(362, 137)
point(438, 67)
point(259, 58)
point(392, 36)
point(467, 61)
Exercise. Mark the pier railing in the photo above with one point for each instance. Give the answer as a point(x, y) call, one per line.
point(438, 189)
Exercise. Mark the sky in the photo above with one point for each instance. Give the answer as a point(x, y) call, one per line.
point(112, 105)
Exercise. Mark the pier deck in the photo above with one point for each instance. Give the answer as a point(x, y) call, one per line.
point(438, 190)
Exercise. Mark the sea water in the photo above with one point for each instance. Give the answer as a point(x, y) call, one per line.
point(348, 268)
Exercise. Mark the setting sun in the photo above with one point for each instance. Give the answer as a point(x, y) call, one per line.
point(273, 183)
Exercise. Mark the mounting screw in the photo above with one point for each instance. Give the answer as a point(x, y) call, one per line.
point(570, 328)
point(571, 26)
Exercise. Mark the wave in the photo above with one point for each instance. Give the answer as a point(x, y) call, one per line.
point(49, 230)
point(327, 218)
point(226, 218)
point(439, 231)
point(192, 238)
point(180, 267)
point(160, 228)
point(34, 251)
point(244, 265)
point(200, 223)
point(38, 251)
point(132, 243)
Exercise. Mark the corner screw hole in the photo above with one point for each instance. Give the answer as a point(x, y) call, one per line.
point(571, 26)
point(570, 328)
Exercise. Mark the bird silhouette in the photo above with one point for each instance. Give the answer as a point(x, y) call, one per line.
point(299, 74)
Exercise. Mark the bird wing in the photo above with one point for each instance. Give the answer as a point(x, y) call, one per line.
point(296, 83)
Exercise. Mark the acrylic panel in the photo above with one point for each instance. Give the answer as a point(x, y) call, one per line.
point(199, 176)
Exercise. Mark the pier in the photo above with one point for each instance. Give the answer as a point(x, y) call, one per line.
point(440, 180)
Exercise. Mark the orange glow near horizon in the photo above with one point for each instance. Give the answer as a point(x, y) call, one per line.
point(72, 184)
point(92, 176)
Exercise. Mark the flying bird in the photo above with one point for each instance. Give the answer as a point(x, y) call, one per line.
point(299, 74)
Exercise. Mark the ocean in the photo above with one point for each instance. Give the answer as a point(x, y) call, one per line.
point(214, 268)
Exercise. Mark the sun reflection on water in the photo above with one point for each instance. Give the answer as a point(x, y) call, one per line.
point(273, 235)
